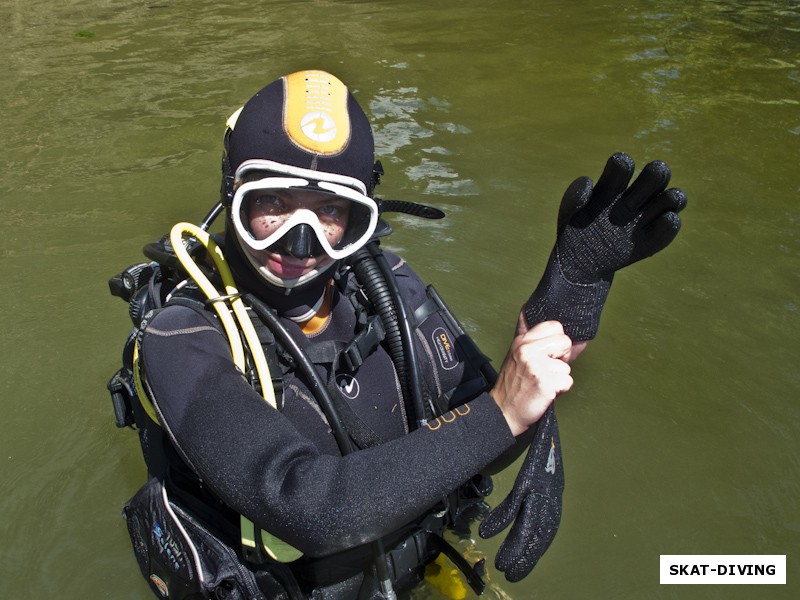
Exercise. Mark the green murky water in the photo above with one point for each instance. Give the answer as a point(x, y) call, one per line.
point(681, 436)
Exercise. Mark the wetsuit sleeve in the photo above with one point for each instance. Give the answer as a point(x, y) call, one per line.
point(260, 465)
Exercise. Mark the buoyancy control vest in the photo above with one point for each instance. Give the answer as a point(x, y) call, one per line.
point(174, 495)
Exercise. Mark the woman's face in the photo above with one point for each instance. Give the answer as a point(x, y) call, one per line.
point(268, 210)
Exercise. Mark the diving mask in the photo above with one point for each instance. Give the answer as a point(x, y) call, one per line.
point(266, 210)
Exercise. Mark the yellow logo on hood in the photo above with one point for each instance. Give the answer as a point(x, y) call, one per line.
point(315, 112)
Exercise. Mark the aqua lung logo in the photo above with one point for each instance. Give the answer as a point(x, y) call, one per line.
point(445, 348)
point(551, 458)
point(318, 126)
point(169, 547)
point(348, 385)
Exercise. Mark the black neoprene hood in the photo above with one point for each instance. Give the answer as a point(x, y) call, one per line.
point(261, 133)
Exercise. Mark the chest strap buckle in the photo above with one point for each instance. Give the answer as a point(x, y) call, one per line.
point(368, 339)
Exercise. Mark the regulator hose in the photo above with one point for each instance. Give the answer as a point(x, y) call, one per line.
point(371, 278)
point(374, 273)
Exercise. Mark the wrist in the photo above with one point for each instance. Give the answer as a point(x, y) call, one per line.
point(577, 306)
point(506, 407)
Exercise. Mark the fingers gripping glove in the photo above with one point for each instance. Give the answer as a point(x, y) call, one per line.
point(602, 229)
point(534, 505)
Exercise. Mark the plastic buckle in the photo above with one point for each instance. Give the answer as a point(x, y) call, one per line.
point(355, 352)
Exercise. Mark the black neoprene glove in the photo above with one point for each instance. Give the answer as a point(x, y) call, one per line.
point(534, 504)
point(602, 229)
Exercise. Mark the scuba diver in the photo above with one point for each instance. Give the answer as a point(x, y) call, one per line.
point(312, 416)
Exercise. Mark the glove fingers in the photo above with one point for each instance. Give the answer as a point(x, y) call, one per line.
point(653, 180)
point(530, 537)
point(542, 465)
point(575, 198)
point(513, 547)
point(671, 200)
point(535, 546)
point(542, 480)
point(501, 516)
point(613, 182)
point(659, 234)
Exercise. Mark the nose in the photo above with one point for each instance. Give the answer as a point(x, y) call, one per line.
point(300, 242)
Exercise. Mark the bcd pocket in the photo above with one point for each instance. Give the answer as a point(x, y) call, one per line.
point(179, 557)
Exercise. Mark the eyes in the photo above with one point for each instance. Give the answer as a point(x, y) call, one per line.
point(327, 208)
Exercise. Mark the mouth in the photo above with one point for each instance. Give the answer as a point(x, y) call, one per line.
point(288, 267)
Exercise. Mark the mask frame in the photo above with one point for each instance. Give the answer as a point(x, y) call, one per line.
point(304, 216)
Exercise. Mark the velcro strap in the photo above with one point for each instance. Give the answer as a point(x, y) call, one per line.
point(324, 353)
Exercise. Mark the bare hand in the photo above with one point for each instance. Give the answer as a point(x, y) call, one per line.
point(534, 372)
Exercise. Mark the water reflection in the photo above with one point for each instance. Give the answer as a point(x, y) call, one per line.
point(394, 114)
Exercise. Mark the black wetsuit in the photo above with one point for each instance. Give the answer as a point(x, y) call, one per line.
point(282, 469)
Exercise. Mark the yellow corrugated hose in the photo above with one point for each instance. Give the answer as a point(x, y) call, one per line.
point(220, 303)
point(275, 547)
